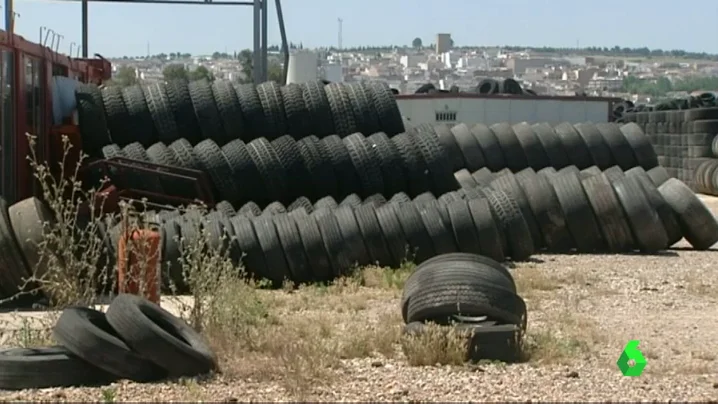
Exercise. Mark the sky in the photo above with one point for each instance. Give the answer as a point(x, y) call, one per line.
point(126, 29)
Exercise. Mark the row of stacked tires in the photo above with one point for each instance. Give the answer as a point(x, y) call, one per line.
point(705, 179)
point(485, 86)
point(682, 139)
point(497, 215)
point(224, 111)
point(422, 159)
point(626, 108)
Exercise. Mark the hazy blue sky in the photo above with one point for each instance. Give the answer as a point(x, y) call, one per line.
point(125, 29)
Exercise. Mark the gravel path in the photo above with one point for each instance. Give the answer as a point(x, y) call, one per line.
point(583, 309)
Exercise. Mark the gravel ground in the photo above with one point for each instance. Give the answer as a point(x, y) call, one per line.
point(324, 343)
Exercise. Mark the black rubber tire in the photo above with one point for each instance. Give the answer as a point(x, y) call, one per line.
point(205, 108)
point(180, 103)
point(698, 224)
point(252, 111)
point(270, 96)
point(277, 267)
point(87, 333)
point(646, 226)
point(556, 153)
point(609, 213)
point(458, 289)
point(38, 368)
point(512, 151)
point(160, 337)
point(576, 208)
point(546, 210)
point(318, 109)
point(596, 146)
point(490, 146)
point(469, 147)
point(230, 111)
point(573, 144)
point(340, 105)
point(536, 156)
point(92, 120)
point(512, 224)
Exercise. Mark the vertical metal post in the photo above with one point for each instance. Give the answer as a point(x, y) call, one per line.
point(265, 44)
point(85, 35)
point(257, 54)
point(9, 15)
point(283, 34)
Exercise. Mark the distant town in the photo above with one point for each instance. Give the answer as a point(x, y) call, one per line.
point(642, 75)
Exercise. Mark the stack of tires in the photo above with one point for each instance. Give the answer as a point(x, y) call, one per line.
point(135, 340)
point(705, 179)
point(472, 294)
point(497, 215)
point(623, 109)
point(419, 160)
point(682, 138)
point(224, 111)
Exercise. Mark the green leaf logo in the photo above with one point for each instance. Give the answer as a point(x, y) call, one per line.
point(631, 353)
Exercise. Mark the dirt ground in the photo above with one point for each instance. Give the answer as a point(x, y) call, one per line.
point(342, 343)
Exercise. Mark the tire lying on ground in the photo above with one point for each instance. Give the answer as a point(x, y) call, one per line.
point(472, 293)
point(160, 337)
point(698, 224)
point(37, 368)
point(135, 340)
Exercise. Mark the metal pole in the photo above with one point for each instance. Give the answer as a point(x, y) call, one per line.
point(265, 44)
point(85, 36)
point(9, 15)
point(285, 45)
point(257, 54)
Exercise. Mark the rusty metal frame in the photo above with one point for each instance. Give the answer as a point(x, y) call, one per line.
point(124, 166)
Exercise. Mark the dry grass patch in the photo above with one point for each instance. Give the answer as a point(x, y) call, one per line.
point(536, 282)
point(563, 338)
point(297, 338)
point(436, 345)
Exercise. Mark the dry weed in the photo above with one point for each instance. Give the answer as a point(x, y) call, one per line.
point(436, 345)
point(562, 338)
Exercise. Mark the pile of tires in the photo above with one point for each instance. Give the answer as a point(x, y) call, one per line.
point(704, 100)
point(322, 244)
point(611, 211)
point(419, 160)
point(135, 340)
point(682, 139)
point(473, 294)
point(540, 145)
point(485, 86)
point(223, 111)
point(705, 177)
point(284, 169)
point(497, 215)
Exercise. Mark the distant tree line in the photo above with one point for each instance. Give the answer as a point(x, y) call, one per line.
point(126, 75)
point(643, 52)
point(661, 86)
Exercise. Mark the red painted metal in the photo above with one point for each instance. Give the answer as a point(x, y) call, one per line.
point(50, 147)
point(47, 62)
